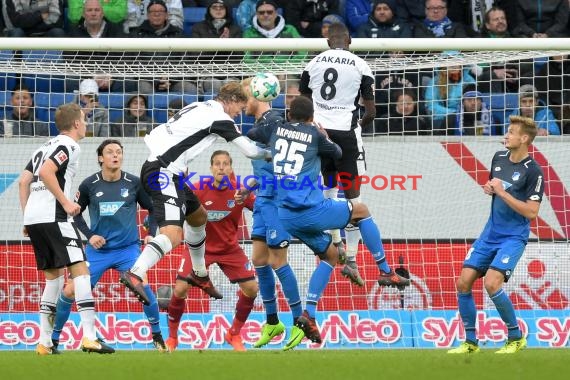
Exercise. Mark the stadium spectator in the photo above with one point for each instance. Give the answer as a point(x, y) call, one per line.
point(135, 121)
point(175, 105)
point(388, 81)
point(114, 10)
point(267, 23)
point(326, 23)
point(97, 116)
point(94, 25)
point(307, 15)
point(443, 95)
point(474, 116)
point(437, 24)
point(403, 117)
point(218, 23)
point(158, 25)
point(495, 24)
point(472, 13)
point(113, 237)
point(541, 18)
point(28, 18)
point(222, 248)
point(45, 199)
point(244, 13)
point(383, 22)
point(531, 107)
point(356, 13)
point(553, 84)
point(516, 187)
point(137, 13)
point(22, 121)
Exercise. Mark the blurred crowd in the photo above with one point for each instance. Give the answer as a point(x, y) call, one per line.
point(451, 100)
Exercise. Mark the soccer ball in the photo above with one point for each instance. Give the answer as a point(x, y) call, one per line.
point(163, 295)
point(265, 87)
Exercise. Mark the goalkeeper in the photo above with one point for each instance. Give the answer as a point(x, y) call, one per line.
point(111, 196)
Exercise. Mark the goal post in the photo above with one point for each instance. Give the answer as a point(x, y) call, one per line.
point(423, 189)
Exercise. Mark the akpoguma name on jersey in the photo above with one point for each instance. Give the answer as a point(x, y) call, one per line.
point(340, 61)
point(295, 135)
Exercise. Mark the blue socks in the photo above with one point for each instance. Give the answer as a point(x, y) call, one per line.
point(290, 289)
point(151, 311)
point(63, 309)
point(266, 281)
point(468, 313)
point(371, 238)
point(507, 312)
point(317, 285)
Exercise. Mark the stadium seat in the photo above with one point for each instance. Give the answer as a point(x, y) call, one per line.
point(279, 102)
point(192, 15)
point(42, 56)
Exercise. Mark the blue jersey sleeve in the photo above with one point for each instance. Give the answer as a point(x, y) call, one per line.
point(327, 148)
point(261, 133)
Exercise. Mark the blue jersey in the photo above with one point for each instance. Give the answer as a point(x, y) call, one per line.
point(112, 209)
point(524, 181)
point(296, 150)
point(262, 169)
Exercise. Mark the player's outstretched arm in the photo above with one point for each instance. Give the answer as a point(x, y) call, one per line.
point(250, 150)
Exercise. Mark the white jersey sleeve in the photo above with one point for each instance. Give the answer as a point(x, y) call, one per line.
point(187, 134)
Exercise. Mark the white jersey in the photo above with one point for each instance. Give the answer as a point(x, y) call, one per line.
point(193, 129)
point(42, 207)
point(336, 79)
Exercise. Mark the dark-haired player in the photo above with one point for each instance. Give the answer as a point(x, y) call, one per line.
point(297, 148)
point(112, 196)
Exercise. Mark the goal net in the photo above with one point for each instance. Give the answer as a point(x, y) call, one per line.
point(428, 153)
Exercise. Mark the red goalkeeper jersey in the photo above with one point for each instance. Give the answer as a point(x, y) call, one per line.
point(224, 217)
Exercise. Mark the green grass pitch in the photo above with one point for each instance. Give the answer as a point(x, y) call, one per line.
point(418, 364)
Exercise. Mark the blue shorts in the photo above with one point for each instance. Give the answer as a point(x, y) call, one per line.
point(266, 224)
point(502, 257)
point(308, 225)
point(119, 259)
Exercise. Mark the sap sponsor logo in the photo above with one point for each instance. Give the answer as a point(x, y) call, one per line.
point(109, 208)
point(216, 216)
point(99, 194)
point(443, 333)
